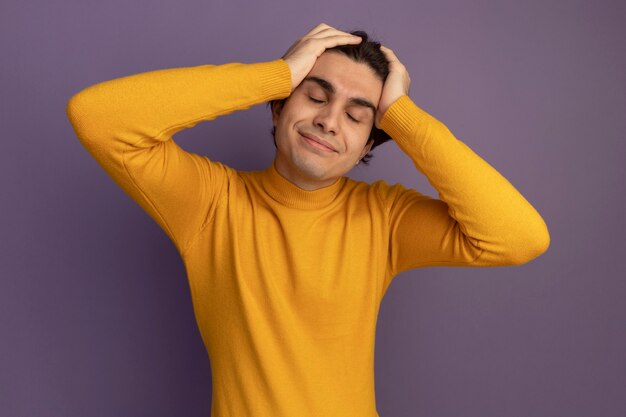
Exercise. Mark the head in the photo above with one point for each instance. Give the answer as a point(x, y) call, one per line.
point(335, 103)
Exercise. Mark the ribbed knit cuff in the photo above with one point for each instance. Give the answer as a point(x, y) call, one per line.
point(404, 120)
point(275, 79)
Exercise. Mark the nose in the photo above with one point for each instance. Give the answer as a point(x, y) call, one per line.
point(328, 118)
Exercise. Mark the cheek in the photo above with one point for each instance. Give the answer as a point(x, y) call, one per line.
point(285, 134)
point(286, 116)
point(357, 142)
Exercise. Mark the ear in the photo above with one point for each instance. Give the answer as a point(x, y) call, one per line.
point(367, 148)
point(276, 109)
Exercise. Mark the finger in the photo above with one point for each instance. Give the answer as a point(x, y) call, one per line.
point(319, 28)
point(332, 41)
point(319, 44)
point(331, 32)
point(339, 36)
point(389, 53)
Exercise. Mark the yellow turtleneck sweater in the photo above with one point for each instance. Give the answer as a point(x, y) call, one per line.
point(286, 283)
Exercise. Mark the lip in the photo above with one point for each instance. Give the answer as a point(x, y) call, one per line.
point(330, 148)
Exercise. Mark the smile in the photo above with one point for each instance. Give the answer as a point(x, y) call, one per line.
point(316, 144)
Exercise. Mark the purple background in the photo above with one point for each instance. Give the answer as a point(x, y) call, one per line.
point(95, 311)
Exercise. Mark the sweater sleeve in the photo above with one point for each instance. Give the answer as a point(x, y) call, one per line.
point(127, 124)
point(480, 219)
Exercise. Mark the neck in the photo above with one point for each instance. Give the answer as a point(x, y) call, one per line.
point(301, 181)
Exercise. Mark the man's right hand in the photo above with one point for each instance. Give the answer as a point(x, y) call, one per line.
point(301, 56)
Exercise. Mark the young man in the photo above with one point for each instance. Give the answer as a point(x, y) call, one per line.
point(287, 266)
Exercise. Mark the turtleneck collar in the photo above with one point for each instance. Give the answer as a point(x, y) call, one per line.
point(289, 194)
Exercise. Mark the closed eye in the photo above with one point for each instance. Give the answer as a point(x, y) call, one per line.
point(352, 118)
point(314, 100)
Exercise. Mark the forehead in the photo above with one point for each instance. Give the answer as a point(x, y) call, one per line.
point(349, 78)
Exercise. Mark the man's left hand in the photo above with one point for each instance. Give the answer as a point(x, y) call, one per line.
point(396, 85)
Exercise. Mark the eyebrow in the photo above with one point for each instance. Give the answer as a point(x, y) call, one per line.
point(326, 85)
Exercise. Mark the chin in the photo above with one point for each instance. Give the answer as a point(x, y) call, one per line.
point(311, 169)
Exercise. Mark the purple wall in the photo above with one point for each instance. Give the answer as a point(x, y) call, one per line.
point(95, 312)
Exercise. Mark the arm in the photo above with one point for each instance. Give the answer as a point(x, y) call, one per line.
point(480, 219)
point(127, 124)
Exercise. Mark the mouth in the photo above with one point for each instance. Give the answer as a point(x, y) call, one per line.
point(317, 143)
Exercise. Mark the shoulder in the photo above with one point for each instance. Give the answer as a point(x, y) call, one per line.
point(218, 176)
point(382, 188)
point(390, 198)
point(381, 191)
point(218, 169)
